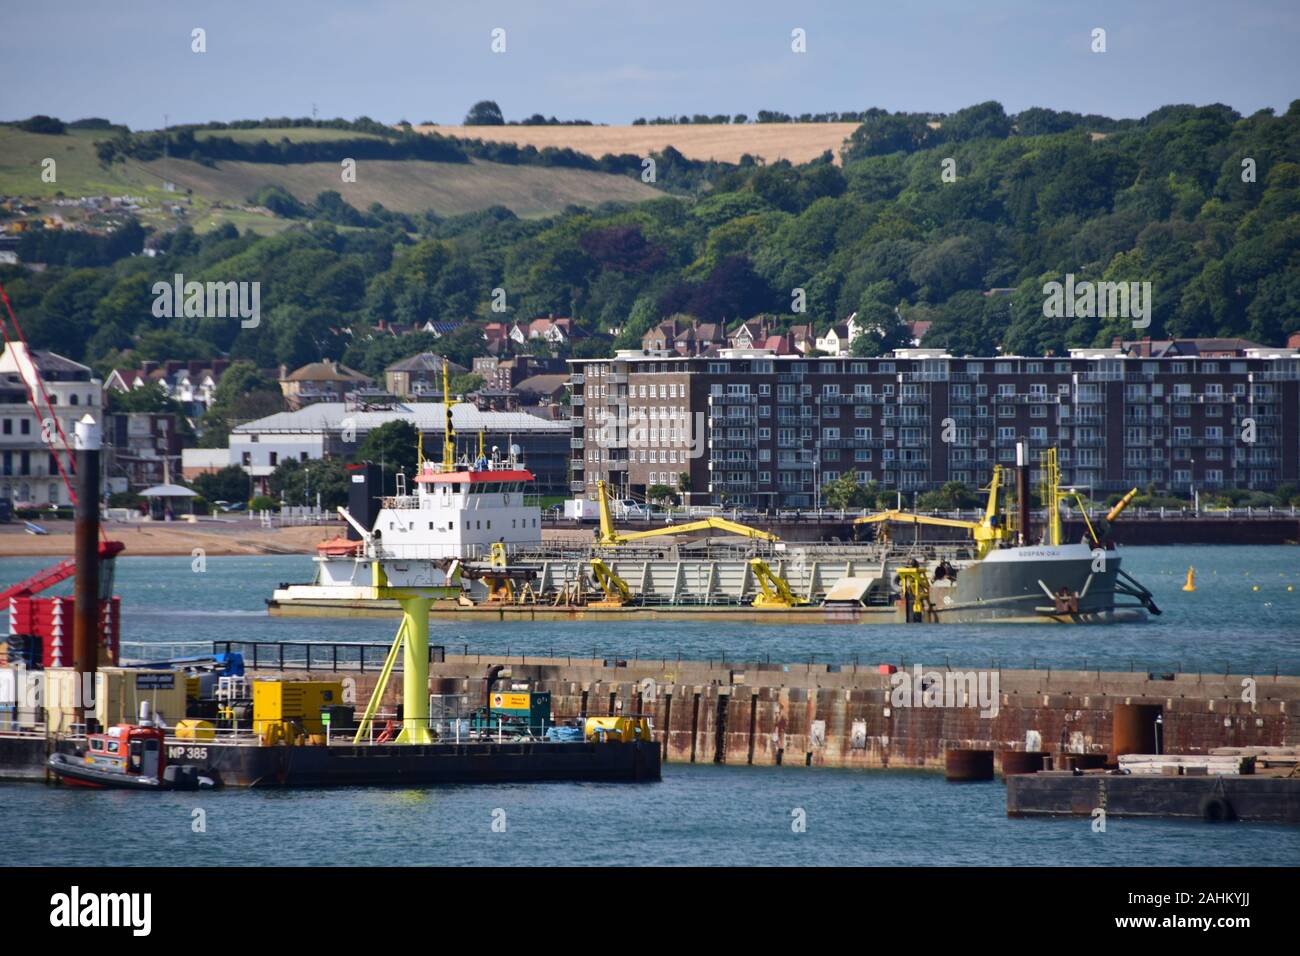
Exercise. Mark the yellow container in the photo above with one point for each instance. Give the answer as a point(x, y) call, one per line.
point(195, 730)
point(296, 701)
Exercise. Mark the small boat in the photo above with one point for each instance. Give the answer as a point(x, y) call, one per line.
point(33, 528)
point(127, 757)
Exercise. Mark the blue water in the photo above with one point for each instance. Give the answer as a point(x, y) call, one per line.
point(1223, 624)
point(698, 814)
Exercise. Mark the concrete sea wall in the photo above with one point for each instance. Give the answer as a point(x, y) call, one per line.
point(818, 715)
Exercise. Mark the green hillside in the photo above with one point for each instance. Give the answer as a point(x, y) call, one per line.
point(1200, 202)
point(221, 188)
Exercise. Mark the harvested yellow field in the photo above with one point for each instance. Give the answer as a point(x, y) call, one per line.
point(797, 142)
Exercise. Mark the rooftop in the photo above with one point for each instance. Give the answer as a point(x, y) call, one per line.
point(325, 372)
point(426, 416)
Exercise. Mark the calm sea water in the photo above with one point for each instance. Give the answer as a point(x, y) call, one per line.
point(698, 814)
point(1225, 623)
point(701, 815)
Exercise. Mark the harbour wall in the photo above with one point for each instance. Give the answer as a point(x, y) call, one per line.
point(823, 715)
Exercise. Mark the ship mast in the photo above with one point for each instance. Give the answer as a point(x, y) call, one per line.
point(449, 433)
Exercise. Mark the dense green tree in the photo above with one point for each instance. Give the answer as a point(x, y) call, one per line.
point(484, 113)
point(228, 484)
point(394, 446)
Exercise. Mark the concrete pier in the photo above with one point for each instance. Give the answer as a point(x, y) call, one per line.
point(823, 715)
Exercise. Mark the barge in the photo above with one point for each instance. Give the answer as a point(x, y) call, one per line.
point(248, 764)
point(1252, 798)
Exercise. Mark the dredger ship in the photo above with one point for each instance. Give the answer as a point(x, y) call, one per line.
point(468, 525)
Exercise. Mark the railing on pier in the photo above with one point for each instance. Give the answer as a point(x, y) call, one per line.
point(330, 656)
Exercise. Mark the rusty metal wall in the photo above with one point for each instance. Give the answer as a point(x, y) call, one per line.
point(815, 716)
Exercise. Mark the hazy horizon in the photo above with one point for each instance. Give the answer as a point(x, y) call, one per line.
point(401, 59)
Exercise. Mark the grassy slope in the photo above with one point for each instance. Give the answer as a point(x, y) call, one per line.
point(415, 185)
point(797, 142)
point(407, 186)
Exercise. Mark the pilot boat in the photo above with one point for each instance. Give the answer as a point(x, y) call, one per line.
point(126, 757)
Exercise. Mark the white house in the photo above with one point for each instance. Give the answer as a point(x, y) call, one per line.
point(30, 447)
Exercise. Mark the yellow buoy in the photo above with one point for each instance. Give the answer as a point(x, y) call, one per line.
point(1191, 580)
point(1255, 587)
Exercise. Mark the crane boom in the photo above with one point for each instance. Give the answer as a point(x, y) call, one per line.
point(611, 536)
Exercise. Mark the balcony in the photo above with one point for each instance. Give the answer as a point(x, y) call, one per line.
point(577, 443)
point(577, 398)
point(731, 399)
point(619, 465)
point(577, 486)
point(577, 378)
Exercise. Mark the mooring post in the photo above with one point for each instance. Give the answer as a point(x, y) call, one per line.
point(85, 625)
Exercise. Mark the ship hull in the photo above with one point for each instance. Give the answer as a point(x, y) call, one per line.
point(1069, 583)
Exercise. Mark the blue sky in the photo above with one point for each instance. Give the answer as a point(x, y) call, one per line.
point(612, 62)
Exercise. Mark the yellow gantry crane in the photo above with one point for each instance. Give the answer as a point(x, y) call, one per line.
point(995, 528)
point(772, 588)
point(617, 592)
point(610, 536)
point(987, 533)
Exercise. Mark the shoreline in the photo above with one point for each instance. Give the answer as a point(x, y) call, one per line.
point(225, 537)
point(217, 538)
point(171, 539)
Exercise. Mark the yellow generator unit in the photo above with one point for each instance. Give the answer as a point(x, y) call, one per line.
point(620, 729)
point(279, 704)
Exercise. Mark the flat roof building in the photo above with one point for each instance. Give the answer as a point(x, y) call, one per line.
point(747, 427)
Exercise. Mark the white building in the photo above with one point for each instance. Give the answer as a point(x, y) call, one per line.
point(29, 442)
point(339, 429)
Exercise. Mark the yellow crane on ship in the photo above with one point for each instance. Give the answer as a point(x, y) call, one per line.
point(773, 591)
point(610, 536)
point(987, 533)
point(996, 527)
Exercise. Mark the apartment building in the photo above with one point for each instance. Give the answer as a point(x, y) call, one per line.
point(29, 470)
point(751, 428)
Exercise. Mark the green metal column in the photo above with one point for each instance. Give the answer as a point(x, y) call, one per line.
point(415, 672)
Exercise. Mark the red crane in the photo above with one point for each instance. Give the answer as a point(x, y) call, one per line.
point(42, 617)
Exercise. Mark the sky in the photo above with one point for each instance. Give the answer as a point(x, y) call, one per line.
point(612, 62)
